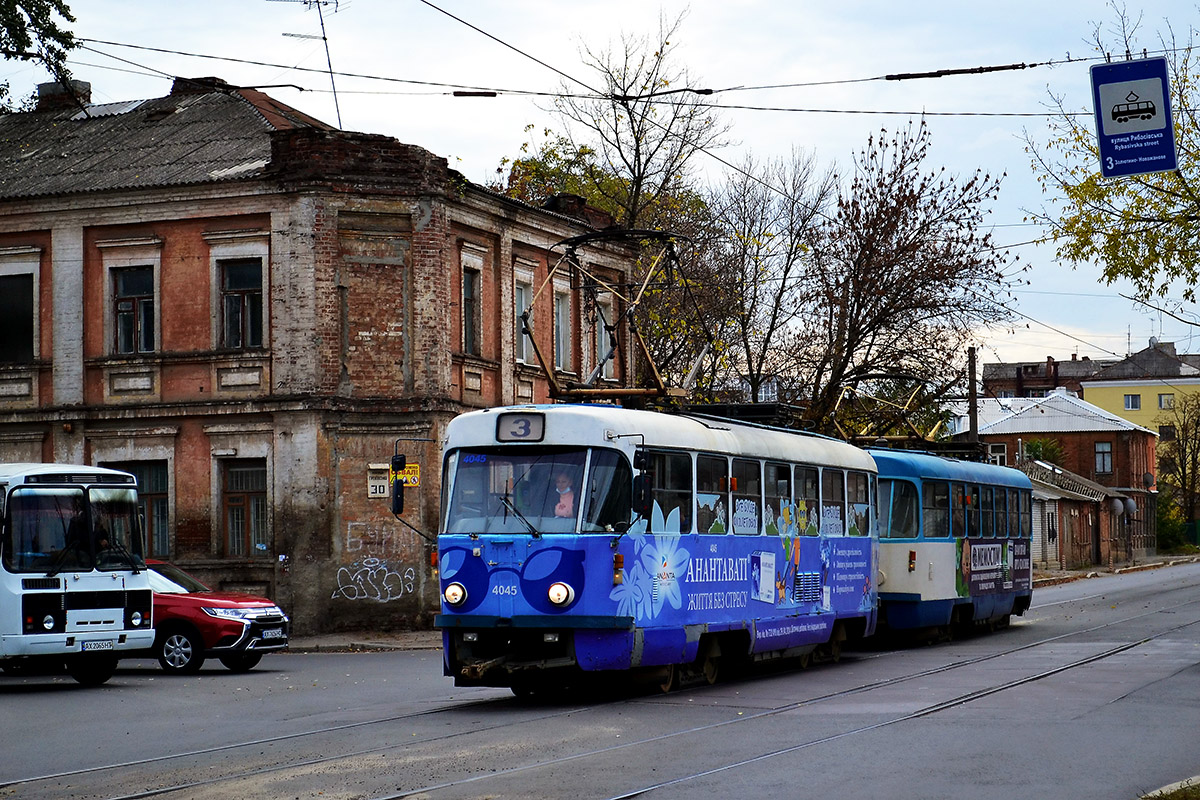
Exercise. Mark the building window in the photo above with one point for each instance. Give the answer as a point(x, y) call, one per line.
point(153, 503)
point(1104, 464)
point(1035, 393)
point(562, 331)
point(470, 311)
point(16, 319)
point(1166, 433)
point(244, 505)
point(133, 309)
point(522, 297)
point(1133, 402)
point(1166, 401)
point(242, 303)
point(605, 342)
point(998, 454)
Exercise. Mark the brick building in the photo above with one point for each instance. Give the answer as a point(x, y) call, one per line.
point(250, 310)
point(1040, 378)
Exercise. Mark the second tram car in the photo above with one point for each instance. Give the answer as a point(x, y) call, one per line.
point(581, 539)
point(954, 542)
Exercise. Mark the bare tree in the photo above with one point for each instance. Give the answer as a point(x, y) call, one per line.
point(643, 128)
point(900, 277)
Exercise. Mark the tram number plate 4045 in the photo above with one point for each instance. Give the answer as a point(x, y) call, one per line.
point(99, 644)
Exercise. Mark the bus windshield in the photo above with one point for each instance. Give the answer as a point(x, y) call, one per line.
point(71, 529)
point(537, 490)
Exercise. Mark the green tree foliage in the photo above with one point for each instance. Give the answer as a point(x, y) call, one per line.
point(1170, 525)
point(1179, 454)
point(1141, 228)
point(31, 30)
point(1048, 450)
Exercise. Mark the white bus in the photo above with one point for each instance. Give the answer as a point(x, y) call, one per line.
point(73, 586)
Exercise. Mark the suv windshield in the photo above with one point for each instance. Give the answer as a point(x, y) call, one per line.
point(71, 529)
point(537, 490)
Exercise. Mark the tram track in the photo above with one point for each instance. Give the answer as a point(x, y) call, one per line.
point(214, 781)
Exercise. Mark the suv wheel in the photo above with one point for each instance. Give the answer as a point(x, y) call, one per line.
point(180, 652)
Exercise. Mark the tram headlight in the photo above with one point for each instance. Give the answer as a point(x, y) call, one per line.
point(455, 594)
point(560, 594)
point(48, 622)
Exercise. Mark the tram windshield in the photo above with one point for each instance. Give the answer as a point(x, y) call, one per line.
point(537, 490)
point(52, 530)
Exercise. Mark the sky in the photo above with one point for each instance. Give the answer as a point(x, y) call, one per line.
point(394, 59)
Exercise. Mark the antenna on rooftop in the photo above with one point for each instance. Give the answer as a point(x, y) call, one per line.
point(329, 61)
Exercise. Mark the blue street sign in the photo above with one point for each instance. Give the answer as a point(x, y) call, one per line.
point(1133, 117)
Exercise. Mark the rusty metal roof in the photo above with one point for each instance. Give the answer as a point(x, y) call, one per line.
point(192, 136)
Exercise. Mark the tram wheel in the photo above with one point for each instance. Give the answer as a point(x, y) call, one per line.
point(669, 679)
point(806, 660)
point(711, 669)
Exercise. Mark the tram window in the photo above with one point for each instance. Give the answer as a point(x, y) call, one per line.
point(898, 506)
point(778, 491)
point(972, 510)
point(1014, 514)
point(833, 503)
point(958, 500)
point(858, 493)
point(608, 497)
point(1001, 514)
point(808, 500)
point(747, 496)
point(1026, 516)
point(987, 509)
point(936, 509)
point(671, 490)
point(712, 494)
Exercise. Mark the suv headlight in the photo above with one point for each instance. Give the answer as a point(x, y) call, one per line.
point(240, 614)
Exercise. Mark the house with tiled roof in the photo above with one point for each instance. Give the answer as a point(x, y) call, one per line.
point(249, 309)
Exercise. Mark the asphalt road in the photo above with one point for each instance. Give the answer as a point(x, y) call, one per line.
point(1094, 694)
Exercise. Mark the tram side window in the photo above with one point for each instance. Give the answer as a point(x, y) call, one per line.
point(1014, 513)
point(808, 501)
point(608, 492)
point(1001, 514)
point(747, 496)
point(712, 498)
point(936, 510)
point(972, 510)
point(778, 491)
point(958, 500)
point(858, 493)
point(671, 490)
point(987, 508)
point(1026, 516)
point(833, 502)
point(898, 509)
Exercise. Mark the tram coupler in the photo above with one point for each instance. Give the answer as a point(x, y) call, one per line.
point(475, 671)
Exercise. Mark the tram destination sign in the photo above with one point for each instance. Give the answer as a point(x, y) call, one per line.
point(1132, 102)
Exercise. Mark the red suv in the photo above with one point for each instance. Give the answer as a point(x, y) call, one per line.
point(192, 622)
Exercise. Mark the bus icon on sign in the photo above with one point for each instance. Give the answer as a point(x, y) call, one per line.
point(1134, 109)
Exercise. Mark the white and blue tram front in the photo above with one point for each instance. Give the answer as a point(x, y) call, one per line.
point(954, 541)
point(590, 538)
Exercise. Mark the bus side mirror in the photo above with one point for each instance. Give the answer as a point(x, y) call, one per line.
point(641, 496)
point(398, 465)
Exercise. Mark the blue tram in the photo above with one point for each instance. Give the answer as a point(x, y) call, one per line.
point(579, 539)
point(954, 542)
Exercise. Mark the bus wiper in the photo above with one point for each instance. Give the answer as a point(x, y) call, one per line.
point(508, 504)
point(129, 557)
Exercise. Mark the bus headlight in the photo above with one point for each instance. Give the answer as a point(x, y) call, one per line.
point(135, 619)
point(560, 594)
point(455, 594)
point(48, 622)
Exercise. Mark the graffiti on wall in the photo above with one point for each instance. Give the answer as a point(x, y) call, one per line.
point(376, 574)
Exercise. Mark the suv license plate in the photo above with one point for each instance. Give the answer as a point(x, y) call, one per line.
point(101, 644)
point(273, 633)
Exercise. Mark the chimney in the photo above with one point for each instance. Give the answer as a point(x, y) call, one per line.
point(54, 96)
point(198, 85)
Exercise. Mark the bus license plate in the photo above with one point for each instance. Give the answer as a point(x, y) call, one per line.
point(101, 644)
point(273, 633)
